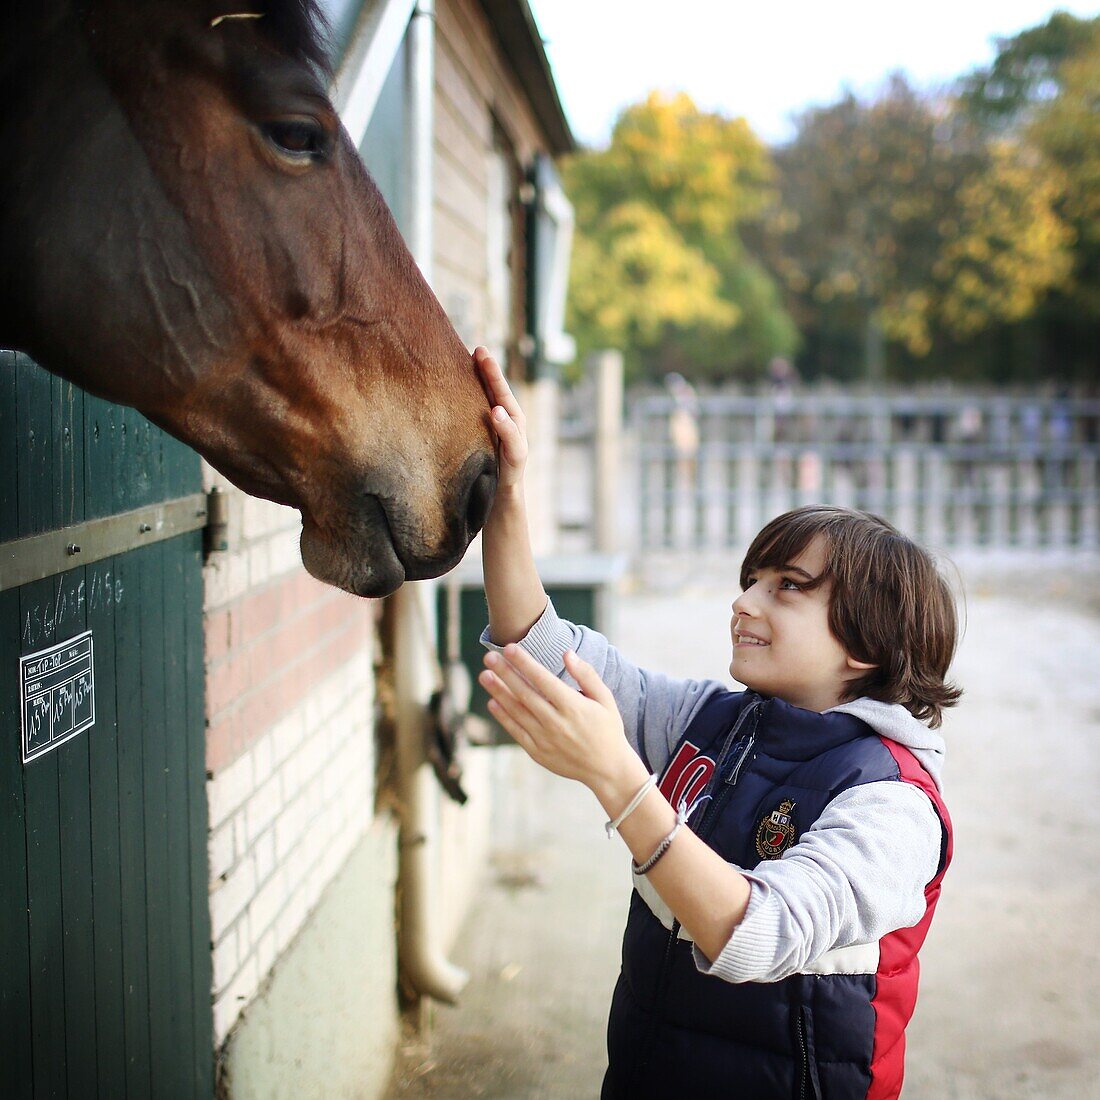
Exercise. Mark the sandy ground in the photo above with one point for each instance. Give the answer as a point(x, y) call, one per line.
point(1010, 991)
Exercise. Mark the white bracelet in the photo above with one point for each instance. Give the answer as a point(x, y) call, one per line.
point(634, 803)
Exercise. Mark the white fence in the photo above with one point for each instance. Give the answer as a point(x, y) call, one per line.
point(952, 471)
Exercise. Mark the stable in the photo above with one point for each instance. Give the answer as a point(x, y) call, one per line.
point(226, 860)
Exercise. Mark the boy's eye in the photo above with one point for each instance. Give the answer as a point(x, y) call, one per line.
point(787, 585)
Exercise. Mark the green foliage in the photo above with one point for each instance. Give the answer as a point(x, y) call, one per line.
point(1027, 71)
point(911, 234)
point(908, 219)
point(1042, 93)
point(659, 269)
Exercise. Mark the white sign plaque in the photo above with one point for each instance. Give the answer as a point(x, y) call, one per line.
point(57, 693)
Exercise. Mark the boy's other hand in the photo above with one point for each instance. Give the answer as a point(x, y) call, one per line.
point(508, 421)
point(575, 734)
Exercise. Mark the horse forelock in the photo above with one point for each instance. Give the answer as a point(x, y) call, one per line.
point(298, 27)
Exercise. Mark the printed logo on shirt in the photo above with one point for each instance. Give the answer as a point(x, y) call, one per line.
point(775, 833)
point(687, 775)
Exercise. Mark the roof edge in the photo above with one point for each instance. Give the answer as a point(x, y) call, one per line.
point(519, 37)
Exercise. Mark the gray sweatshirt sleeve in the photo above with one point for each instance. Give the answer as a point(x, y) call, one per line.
point(858, 873)
point(655, 708)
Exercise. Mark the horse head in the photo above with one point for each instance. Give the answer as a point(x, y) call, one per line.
point(187, 228)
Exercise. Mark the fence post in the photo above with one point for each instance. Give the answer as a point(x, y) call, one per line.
point(935, 498)
point(904, 490)
point(607, 374)
point(1088, 521)
point(1029, 495)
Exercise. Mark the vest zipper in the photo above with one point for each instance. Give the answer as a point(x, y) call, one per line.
point(754, 709)
point(710, 815)
point(804, 1058)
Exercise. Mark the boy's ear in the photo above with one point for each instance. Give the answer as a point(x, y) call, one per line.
point(860, 666)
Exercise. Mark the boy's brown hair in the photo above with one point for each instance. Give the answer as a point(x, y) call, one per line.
point(888, 606)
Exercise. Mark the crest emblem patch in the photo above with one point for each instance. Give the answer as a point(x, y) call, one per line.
point(775, 833)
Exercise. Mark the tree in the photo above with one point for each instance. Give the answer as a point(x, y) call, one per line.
point(659, 267)
point(902, 221)
point(1042, 92)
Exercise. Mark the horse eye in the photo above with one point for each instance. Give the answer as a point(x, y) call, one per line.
point(299, 140)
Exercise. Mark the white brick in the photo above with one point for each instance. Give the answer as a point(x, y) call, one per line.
point(298, 862)
point(229, 789)
point(285, 552)
point(222, 850)
point(265, 953)
point(259, 563)
point(264, 855)
point(262, 518)
point(240, 834)
point(262, 808)
point(287, 735)
point(226, 579)
point(311, 798)
point(289, 921)
point(215, 583)
point(263, 759)
point(228, 898)
point(332, 778)
point(227, 1007)
point(243, 929)
point(299, 771)
point(226, 960)
point(290, 826)
point(269, 901)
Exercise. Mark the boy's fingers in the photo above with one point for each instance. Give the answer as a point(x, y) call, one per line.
point(519, 686)
point(507, 703)
point(511, 439)
point(543, 681)
point(500, 391)
point(588, 679)
point(512, 727)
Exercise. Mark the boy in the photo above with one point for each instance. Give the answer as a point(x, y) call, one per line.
point(788, 841)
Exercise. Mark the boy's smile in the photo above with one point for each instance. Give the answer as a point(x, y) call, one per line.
point(782, 643)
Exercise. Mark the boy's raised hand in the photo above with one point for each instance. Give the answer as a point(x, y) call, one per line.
point(509, 423)
point(578, 735)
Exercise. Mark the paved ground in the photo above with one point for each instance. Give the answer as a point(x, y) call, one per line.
point(1010, 999)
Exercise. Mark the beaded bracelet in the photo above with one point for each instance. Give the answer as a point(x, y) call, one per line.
point(682, 814)
point(634, 803)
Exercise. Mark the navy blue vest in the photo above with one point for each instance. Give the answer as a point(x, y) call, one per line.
point(770, 769)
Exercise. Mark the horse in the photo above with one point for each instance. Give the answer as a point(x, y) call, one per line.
point(185, 227)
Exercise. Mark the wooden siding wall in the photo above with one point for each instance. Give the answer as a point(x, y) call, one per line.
point(475, 96)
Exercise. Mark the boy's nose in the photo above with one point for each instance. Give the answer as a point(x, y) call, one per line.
point(743, 604)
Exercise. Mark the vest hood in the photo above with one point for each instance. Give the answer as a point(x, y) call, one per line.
point(894, 722)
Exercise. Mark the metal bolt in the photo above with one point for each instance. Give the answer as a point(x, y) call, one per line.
point(72, 548)
point(144, 528)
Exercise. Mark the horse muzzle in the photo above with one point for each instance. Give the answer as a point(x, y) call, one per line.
point(386, 544)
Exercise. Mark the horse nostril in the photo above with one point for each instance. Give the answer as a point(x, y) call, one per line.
point(481, 500)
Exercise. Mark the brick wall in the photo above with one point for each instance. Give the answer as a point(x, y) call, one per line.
point(290, 743)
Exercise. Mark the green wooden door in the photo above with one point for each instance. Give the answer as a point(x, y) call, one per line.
point(104, 924)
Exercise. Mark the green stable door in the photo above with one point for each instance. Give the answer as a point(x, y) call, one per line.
point(104, 923)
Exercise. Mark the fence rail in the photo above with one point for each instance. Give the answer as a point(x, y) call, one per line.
point(954, 472)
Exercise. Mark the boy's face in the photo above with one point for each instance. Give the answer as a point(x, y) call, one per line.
point(782, 644)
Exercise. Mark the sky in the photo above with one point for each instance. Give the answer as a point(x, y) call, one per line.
point(765, 61)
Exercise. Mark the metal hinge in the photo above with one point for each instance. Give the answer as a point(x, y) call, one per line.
point(32, 559)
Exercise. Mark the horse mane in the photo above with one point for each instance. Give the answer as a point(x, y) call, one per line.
point(299, 28)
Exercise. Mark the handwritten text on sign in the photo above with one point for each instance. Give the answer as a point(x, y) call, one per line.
point(57, 690)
